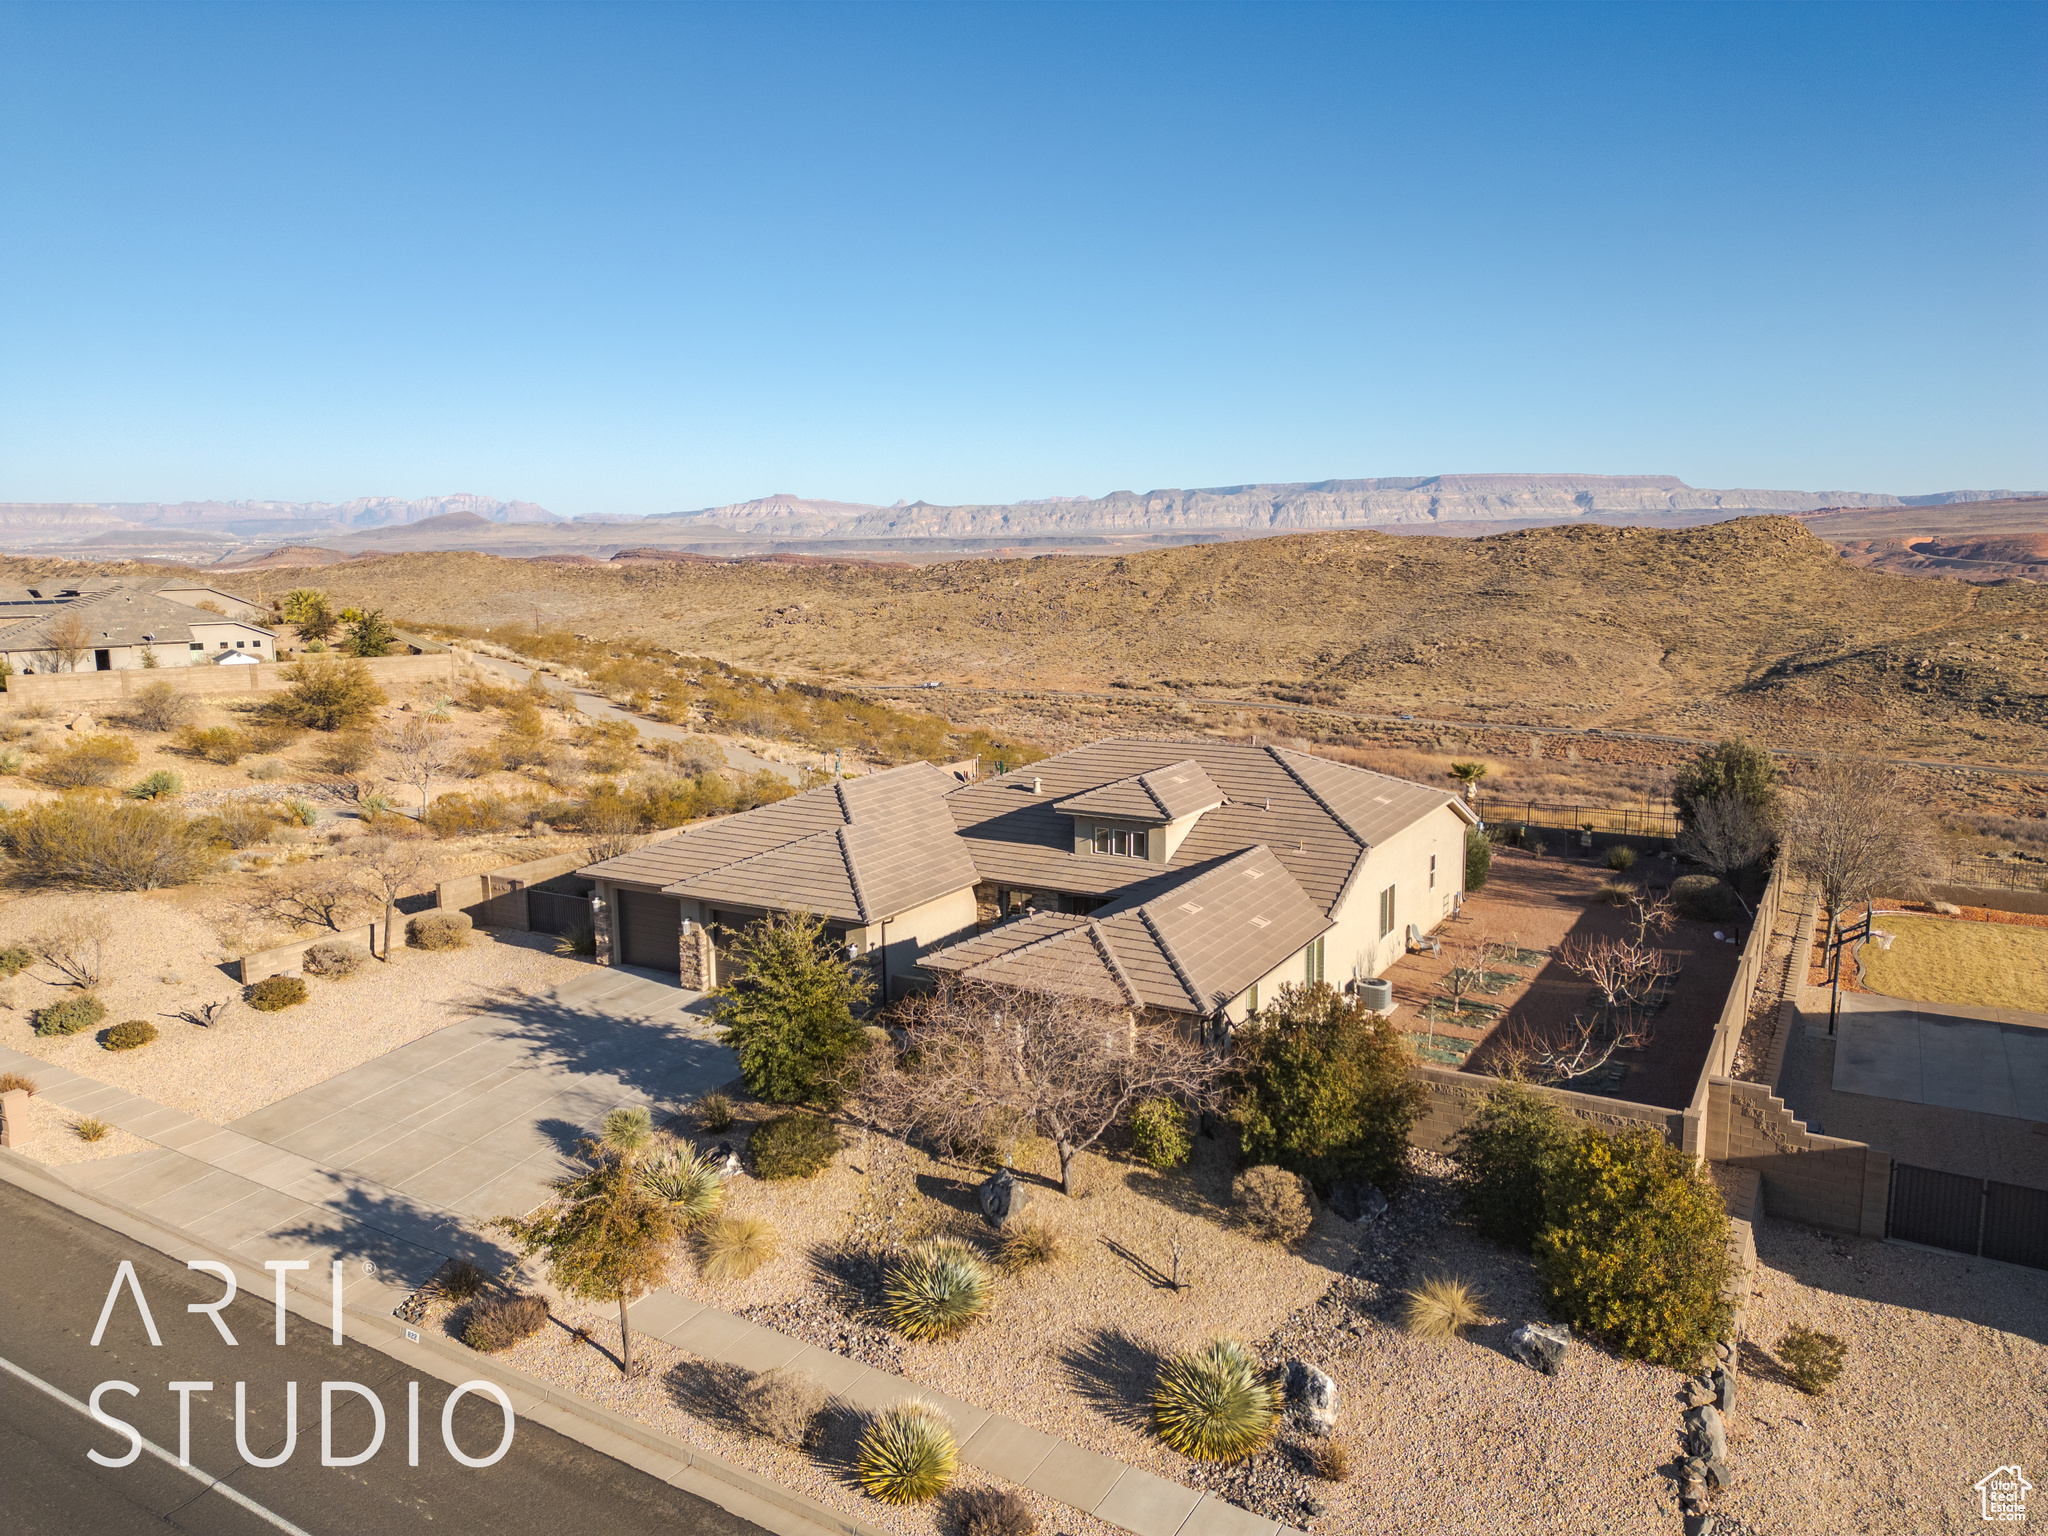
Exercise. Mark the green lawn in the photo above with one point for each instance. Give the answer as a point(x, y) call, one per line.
point(1942, 961)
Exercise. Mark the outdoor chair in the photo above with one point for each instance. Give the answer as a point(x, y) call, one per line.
point(1419, 941)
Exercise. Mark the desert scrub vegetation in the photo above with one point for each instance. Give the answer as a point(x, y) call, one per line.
point(87, 763)
point(15, 1082)
point(158, 708)
point(220, 744)
point(328, 695)
point(908, 1455)
point(1331, 1461)
point(792, 1146)
point(71, 1015)
point(154, 786)
point(1322, 1088)
point(789, 1010)
point(1634, 1249)
point(1478, 859)
point(333, 959)
point(733, 1247)
point(782, 1405)
point(129, 1035)
point(714, 1114)
point(1215, 1403)
point(1160, 1133)
point(275, 994)
point(1621, 858)
point(994, 1512)
point(1028, 1245)
point(937, 1289)
point(692, 1184)
point(498, 1322)
point(439, 930)
point(1813, 1360)
point(1442, 1307)
point(14, 960)
point(91, 1128)
point(1505, 1154)
point(1274, 1203)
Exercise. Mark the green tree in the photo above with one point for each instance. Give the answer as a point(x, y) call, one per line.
point(328, 696)
point(370, 635)
point(604, 1237)
point(1506, 1152)
point(308, 609)
point(1735, 767)
point(789, 1011)
point(1323, 1088)
point(1478, 859)
point(1634, 1249)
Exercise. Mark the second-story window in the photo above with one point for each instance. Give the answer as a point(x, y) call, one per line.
point(1119, 841)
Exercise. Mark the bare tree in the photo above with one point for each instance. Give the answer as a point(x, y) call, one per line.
point(1727, 834)
point(611, 826)
point(388, 867)
point(1471, 950)
point(1625, 975)
point(1525, 1054)
point(66, 643)
point(322, 895)
point(76, 945)
point(1648, 913)
point(986, 1056)
point(421, 752)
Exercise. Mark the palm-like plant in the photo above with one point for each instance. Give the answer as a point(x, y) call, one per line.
point(1215, 1403)
point(628, 1131)
point(691, 1184)
point(937, 1289)
point(908, 1455)
point(1469, 775)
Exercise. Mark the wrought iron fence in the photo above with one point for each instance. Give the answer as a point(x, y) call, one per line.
point(1988, 874)
point(1646, 821)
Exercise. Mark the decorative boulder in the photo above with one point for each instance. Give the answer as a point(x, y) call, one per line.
point(1311, 1397)
point(1540, 1346)
point(729, 1160)
point(1357, 1202)
point(1706, 1435)
point(1001, 1197)
point(1718, 1475)
point(1701, 1524)
point(1724, 1389)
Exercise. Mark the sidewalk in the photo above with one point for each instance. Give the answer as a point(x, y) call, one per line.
point(255, 1201)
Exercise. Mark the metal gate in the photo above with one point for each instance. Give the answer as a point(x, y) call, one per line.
point(552, 912)
point(1980, 1217)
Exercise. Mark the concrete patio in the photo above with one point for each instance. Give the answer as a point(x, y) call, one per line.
point(1992, 1061)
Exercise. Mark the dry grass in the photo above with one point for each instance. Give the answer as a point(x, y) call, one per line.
point(1442, 1308)
point(1936, 961)
point(733, 1247)
point(91, 1128)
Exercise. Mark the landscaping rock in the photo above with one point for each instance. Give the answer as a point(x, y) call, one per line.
point(1001, 1197)
point(1706, 1436)
point(1724, 1389)
point(1698, 1394)
point(1541, 1346)
point(1719, 1475)
point(1311, 1397)
point(1701, 1524)
point(729, 1163)
point(1357, 1202)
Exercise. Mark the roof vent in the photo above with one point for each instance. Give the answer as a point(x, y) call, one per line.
point(1262, 922)
point(1036, 784)
point(1189, 906)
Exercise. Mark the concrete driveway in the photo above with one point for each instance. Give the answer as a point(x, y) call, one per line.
point(1993, 1061)
point(476, 1118)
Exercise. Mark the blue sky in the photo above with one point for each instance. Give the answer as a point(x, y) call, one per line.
point(656, 257)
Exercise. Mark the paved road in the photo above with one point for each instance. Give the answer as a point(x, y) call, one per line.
point(53, 1283)
point(1268, 706)
point(599, 708)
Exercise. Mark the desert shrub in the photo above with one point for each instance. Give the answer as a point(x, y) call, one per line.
point(267, 733)
point(1634, 1248)
point(1331, 1461)
point(105, 845)
point(792, 1146)
point(1026, 1245)
point(481, 692)
point(1612, 893)
point(439, 930)
point(714, 1114)
point(91, 1128)
point(691, 1184)
point(86, 763)
point(129, 1034)
point(1441, 1308)
point(457, 1280)
point(274, 994)
point(268, 769)
point(221, 744)
point(239, 823)
point(937, 1289)
point(789, 1012)
point(499, 1322)
point(154, 786)
point(782, 1405)
point(1478, 859)
point(994, 1512)
point(1813, 1360)
point(328, 696)
point(369, 634)
point(1621, 858)
point(466, 815)
point(1505, 1154)
point(158, 707)
point(1275, 1203)
point(295, 812)
point(11, 1082)
point(733, 1247)
point(14, 960)
point(579, 938)
point(1214, 1403)
point(347, 751)
point(908, 1455)
point(71, 1015)
point(334, 959)
point(1323, 1088)
point(10, 761)
point(1160, 1133)
point(1704, 898)
point(607, 744)
point(1734, 767)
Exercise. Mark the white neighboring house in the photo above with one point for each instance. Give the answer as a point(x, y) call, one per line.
point(115, 627)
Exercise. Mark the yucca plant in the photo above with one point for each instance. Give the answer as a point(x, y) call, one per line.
point(692, 1184)
point(908, 1455)
point(1215, 1403)
point(629, 1130)
point(1442, 1308)
point(937, 1289)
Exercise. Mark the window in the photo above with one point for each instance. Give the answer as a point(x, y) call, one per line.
point(240, 643)
point(1102, 837)
point(1138, 846)
point(1312, 967)
point(1119, 841)
point(223, 645)
point(198, 645)
point(1432, 871)
point(1386, 911)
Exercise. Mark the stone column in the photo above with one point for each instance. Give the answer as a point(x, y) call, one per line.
point(14, 1117)
point(601, 925)
point(696, 969)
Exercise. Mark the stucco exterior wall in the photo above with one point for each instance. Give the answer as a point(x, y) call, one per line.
point(920, 931)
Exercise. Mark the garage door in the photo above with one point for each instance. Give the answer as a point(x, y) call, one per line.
point(648, 926)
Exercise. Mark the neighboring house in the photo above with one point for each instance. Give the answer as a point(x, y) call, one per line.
point(115, 627)
point(1179, 877)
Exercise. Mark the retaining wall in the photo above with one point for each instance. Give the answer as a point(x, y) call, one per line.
point(1817, 1181)
point(208, 681)
point(2034, 903)
point(289, 959)
point(1454, 1097)
point(497, 897)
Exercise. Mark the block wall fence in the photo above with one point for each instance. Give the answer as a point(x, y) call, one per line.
point(62, 688)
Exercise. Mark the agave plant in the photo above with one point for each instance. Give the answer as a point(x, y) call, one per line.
point(1215, 1403)
point(692, 1184)
point(908, 1454)
point(937, 1289)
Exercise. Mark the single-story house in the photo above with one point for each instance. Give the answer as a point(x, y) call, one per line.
point(1181, 877)
point(117, 626)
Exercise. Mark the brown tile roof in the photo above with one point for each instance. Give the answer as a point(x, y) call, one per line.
point(1187, 941)
point(858, 850)
point(1317, 817)
point(1162, 795)
point(110, 616)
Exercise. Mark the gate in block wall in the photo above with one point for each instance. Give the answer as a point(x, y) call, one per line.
point(1980, 1217)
